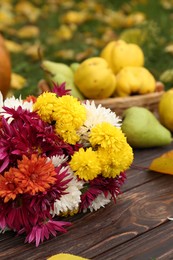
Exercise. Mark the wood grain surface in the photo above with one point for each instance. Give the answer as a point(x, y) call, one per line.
point(135, 228)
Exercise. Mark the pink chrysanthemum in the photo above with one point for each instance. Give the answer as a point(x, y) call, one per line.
point(27, 134)
point(60, 89)
point(101, 185)
point(43, 230)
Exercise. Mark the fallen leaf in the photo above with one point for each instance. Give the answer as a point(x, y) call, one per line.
point(64, 32)
point(28, 10)
point(17, 81)
point(28, 31)
point(163, 164)
point(75, 17)
point(13, 46)
point(33, 51)
point(65, 54)
point(134, 19)
point(83, 55)
point(6, 16)
point(169, 48)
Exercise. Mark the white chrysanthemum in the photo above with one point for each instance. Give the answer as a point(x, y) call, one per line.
point(13, 102)
point(97, 115)
point(99, 202)
point(58, 159)
point(71, 200)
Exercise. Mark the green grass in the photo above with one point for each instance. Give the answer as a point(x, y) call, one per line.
point(158, 28)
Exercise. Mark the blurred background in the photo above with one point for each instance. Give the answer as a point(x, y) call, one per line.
point(70, 31)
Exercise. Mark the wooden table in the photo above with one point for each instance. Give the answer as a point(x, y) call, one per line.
point(136, 227)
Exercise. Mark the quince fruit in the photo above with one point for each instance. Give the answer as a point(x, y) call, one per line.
point(134, 80)
point(95, 79)
point(120, 54)
point(165, 109)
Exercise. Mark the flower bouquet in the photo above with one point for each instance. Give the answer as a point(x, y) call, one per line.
point(58, 157)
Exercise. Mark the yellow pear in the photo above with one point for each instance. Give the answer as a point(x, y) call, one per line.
point(95, 79)
point(120, 54)
point(166, 109)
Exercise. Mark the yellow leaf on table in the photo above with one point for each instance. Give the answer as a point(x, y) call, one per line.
point(163, 164)
point(66, 257)
point(17, 81)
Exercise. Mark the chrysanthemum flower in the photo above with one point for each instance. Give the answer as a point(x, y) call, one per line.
point(30, 98)
point(69, 114)
point(99, 202)
point(85, 164)
point(97, 115)
point(60, 90)
point(107, 136)
point(14, 103)
point(8, 186)
point(34, 175)
point(28, 134)
point(45, 106)
point(69, 136)
point(115, 162)
point(69, 202)
point(58, 160)
point(43, 230)
point(99, 191)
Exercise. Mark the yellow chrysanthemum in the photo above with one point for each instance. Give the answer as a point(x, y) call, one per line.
point(85, 164)
point(70, 137)
point(107, 136)
point(114, 162)
point(69, 113)
point(45, 106)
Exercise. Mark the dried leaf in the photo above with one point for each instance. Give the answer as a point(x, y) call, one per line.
point(33, 51)
point(133, 19)
point(28, 10)
point(65, 54)
point(28, 31)
point(75, 17)
point(64, 32)
point(13, 46)
point(163, 164)
point(17, 81)
point(85, 54)
point(169, 48)
point(6, 16)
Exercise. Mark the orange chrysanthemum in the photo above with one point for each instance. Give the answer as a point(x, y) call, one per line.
point(35, 174)
point(8, 187)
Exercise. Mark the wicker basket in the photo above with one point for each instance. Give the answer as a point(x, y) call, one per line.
point(119, 104)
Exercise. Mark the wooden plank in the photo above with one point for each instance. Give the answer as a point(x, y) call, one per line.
point(155, 244)
point(137, 211)
point(142, 159)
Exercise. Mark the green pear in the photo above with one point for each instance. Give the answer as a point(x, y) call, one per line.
point(143, 129)
point(74, 66)
point(69, 85)
point(60, 73)
point(53, 68)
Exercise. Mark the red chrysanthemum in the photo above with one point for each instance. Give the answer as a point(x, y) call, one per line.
point(101, 185)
